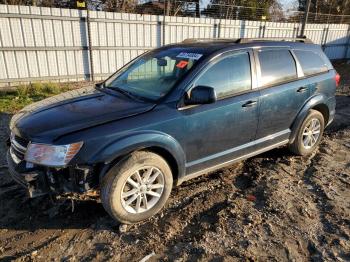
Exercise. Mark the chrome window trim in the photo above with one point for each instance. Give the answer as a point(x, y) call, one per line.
point(258, 65)
point(219, 57)
point(253, 69)
point(300, 72)
point(317, 54)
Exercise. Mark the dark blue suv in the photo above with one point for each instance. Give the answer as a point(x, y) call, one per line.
point(172, 114)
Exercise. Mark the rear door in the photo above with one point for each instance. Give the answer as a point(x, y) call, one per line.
point(282, 94)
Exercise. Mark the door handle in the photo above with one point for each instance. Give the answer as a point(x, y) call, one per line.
point(302, 89)
point(250, 103)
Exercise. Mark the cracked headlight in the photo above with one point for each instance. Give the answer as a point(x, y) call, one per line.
point(50, 155)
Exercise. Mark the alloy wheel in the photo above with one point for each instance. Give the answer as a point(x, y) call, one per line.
point(311, 133)
point(142, 189)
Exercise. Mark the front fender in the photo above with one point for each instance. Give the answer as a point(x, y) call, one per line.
point(139, 140)
point(311, 103)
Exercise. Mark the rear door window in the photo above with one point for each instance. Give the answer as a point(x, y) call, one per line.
point(310, 62)
point(276, 66)
point(229, 76)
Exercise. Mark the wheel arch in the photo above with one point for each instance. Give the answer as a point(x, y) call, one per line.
point(169, 158)
point(156, 142)
point(319, 103)
point(324, 110)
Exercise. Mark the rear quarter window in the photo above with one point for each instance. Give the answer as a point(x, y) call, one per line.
point(276, 66)
point(310, 62)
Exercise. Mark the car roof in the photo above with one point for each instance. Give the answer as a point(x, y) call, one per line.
point(208, 46)
point(202, 47)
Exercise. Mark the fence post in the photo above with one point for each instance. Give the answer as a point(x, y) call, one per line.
point(324, 44)
point(306, 15)
point(160, 33)
point(218, 29)
point(215, 33)
point(162, 24)
point(262, 29)
point(295, 32)
point(92, 74)
point(347, 43)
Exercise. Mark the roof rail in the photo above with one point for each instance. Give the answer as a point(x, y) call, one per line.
point(288, 39)
point(249, 40)
point(196, 40)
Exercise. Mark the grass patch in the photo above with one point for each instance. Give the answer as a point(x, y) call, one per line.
point(12, 101)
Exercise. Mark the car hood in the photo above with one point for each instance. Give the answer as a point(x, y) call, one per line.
point(73, 111)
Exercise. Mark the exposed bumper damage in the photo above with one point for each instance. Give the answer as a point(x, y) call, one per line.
point(40, 180)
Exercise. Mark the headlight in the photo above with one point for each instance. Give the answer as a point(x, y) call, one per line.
point(50, 155)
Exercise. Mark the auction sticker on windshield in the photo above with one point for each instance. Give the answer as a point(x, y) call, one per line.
point(182, 64)
point(194, 56)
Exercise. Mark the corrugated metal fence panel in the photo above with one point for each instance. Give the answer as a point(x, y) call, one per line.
point(273, 29)
point(317, 33)
point(337, 38)
point(178, 29)
point(117, 38)
point(34, 33)
point(38, 43)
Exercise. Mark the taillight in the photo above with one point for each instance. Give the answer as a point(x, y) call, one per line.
point(337, 79)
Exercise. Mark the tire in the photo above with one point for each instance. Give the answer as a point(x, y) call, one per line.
point(117, 182)
point(298, 146)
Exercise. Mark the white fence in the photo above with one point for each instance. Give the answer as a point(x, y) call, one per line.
point(41, 44)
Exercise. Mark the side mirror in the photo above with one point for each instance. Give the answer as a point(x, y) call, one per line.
point(162, 62)
point(99, 85)
point(201, 95)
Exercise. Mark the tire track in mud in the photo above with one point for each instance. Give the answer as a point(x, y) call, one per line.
point(190, 205)
point(188, 220)
point(333, 225)
point(182, 219)
point(24, 245)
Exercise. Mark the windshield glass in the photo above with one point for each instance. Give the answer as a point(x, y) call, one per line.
point(154, 74)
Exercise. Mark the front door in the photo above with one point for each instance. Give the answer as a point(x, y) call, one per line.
point(223, 130)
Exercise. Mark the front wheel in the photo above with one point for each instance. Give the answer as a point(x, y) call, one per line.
point(137, 187)
point(309, 134)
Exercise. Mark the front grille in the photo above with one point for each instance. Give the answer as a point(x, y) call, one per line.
point(12, 170)
point(23, 142)
point(18, 147)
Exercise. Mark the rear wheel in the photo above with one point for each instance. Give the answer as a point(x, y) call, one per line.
point(136, 188)
point(309, 134)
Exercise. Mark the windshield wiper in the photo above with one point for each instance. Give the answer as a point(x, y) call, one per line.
point(124, 92)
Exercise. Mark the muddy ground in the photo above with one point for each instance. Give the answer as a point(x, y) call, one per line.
point(273, 207)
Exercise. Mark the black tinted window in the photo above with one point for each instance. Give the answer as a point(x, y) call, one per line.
point(310, 62)
point(228, 76)
point(276, 66)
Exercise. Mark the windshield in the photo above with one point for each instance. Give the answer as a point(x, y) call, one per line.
point(154, 74)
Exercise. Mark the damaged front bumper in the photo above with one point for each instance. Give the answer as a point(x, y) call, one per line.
point(39, 180)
